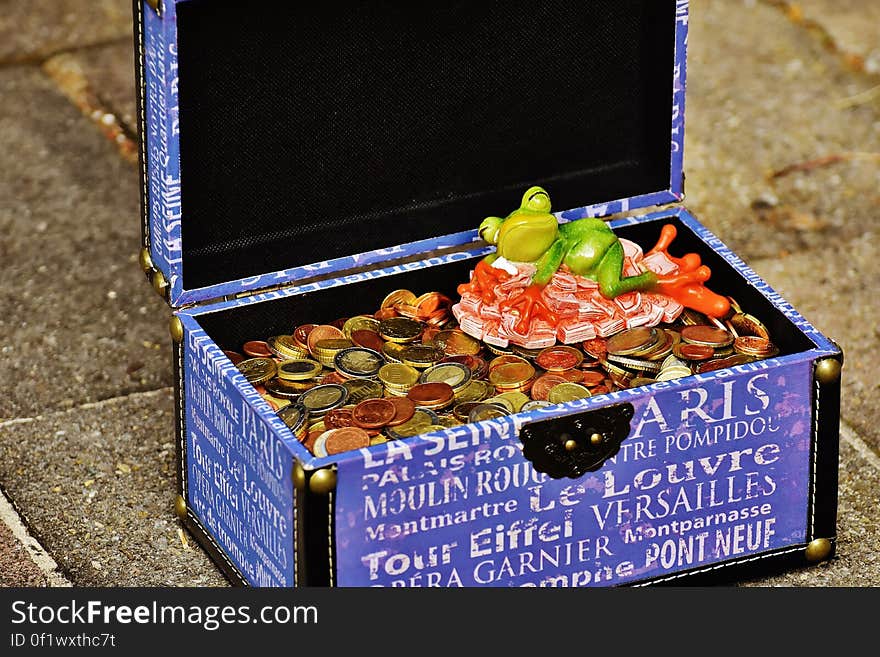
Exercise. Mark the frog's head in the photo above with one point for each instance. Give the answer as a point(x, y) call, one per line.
point(536, 199)
point(529, 231)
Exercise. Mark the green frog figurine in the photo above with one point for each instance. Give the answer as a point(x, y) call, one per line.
point(589, 248)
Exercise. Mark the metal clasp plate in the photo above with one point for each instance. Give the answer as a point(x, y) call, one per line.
point(572, 445)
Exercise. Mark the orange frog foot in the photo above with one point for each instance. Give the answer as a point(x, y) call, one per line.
point(689, 291)
point(687, 287)
point(690, 261)
point(483, 282)
point(531, 306)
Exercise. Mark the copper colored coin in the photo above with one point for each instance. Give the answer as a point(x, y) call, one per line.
point(511, 374)
point(544, 384)
point(323, 332)
point(332, 377)
point(368, 339)
point(559, 358)
point(477, 365)
point(310, 439)
point(600, 390)
point(593, 379)
point(507, 359)
point(748, 325)
point(339, 418)
point(385, 313)
point(597, 347)
point(572, 376)
point(346, 439)
point(301, 335)
point(339, 323)
point(234, 356)
point(631, 341)
point(257, 349)
point(707, 335)
point(695, 351)
point(373, 413)
point(404, 409)
point(430, 394)
point(722, 363)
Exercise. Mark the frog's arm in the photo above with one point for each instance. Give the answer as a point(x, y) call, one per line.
point(548, 263)
point(575, 229)
point(489, 229)
point(609, 271)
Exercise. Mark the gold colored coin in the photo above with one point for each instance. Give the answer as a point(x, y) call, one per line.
point(359, 323)
point(285, 347)
point(709, 336)
point(498, 351)
point(420, 356)
point(476, 390)
point(486, 412)
point(516, 399)
point(257, 370)
point(399, 297)
point(324, 397)
point(398, 375)
point(332, 345)
point(456, 342)
point(634, 363)
point(498, 400)
point(566, 392)
point(393, 352)
point(511, 374)
point(400, 329)
point(286, 389)
point(301, 369)
point(416, 425)
point(448, 421)
point(361, 389)
point(455, 374)
point(358, 362)
point(632, 341)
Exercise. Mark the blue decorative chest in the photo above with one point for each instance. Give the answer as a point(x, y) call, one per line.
point(300, 164)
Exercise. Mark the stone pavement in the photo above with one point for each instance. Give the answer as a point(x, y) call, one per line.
point(86, 456)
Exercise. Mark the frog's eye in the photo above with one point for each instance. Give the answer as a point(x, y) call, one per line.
point(538, 199)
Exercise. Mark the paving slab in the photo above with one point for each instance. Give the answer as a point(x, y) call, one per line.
point(16, 566)
point(854, 26)
point(857, 560)
point(100, 82)
point(33, 29)
point(763, 94)
point(79, 321)
point(96, 486)
point(837, 293)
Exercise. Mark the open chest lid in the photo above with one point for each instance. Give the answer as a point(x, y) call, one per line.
point(284, 141)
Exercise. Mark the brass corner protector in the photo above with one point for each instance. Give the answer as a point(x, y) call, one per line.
point(323, 481)
point(175, 327)
point(828, 370)
point(818, 550)
point(160, 284)
point(155, 5)
point(145, 260)
point(299, 476)
point(180, 507)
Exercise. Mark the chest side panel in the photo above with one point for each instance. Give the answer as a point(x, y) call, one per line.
point(713, 470)
point(161, 129)
point(237, 471)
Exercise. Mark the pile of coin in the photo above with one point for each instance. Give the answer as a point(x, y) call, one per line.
point(408, 369)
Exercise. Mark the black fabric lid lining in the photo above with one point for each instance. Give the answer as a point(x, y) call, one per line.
point(312, 133)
